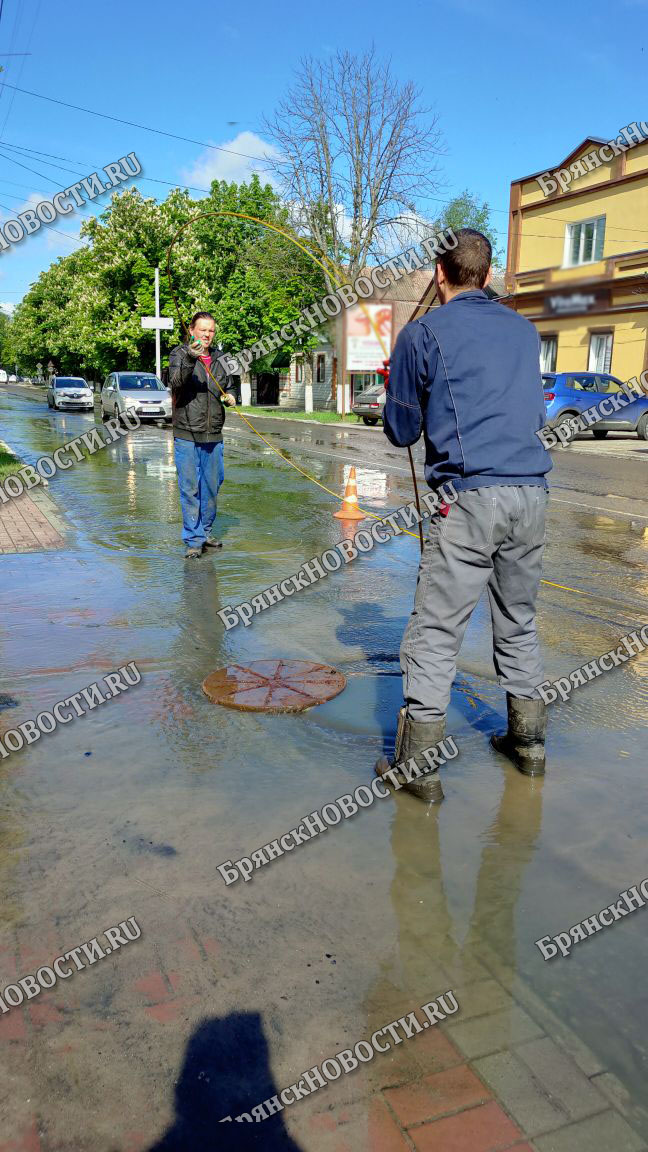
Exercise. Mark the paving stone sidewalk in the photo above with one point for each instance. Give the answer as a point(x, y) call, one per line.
point(31, 523)
point(503, 1075)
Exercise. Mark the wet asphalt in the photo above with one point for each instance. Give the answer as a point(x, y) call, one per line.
point(129, 810)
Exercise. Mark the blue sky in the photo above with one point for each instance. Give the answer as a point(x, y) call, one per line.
point(515, 86)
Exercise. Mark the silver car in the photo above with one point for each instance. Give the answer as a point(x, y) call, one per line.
point(370, 403)
point(70, 392)
point(139, 392)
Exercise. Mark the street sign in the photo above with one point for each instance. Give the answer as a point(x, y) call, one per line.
point(164, 322)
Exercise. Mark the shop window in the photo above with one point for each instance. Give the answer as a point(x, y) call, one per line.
point(548, 353)
point(320, 370)
point(600, 352)
point(584, 242)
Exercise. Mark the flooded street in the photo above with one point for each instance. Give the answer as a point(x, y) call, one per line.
point(233, 991)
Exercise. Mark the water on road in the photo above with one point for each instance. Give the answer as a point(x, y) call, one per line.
point(129, 810)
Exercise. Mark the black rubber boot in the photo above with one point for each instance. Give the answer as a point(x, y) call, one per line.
point(524, 742)
point(412, 737)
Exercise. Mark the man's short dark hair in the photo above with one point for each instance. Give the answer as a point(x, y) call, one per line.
point(200, 316)
point(466, 265)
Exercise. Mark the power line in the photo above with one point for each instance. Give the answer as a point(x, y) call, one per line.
point(42, 175)
point(67, 235)
point(193, 188)
point(133, 123)
point(14, 28)
point(22, 65)
point(232, 152)
point(150, 179)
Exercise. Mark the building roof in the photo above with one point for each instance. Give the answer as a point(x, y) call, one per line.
point(408, 295)
point(563, 163)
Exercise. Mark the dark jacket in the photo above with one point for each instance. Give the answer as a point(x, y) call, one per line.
point(467, 375)
point(198, 411)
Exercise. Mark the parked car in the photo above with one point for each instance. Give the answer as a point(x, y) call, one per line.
point(570, 393)
point(139, 392)
point(370, 404)
point(70, 392)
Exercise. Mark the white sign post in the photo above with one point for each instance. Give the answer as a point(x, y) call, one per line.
point(158, 323)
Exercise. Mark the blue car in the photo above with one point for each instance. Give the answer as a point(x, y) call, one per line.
point(570, 393)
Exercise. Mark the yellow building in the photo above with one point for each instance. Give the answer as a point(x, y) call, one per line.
point(578, 259)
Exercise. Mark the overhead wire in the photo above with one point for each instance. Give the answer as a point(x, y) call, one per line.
point(67, 236)
point(12, 37)
point(246, 155)
point(22, 65)
point(134, 124)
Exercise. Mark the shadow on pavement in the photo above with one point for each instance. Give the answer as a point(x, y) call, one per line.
point(225, 1073)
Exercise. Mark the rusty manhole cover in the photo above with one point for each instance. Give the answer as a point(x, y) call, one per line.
point(273, 685)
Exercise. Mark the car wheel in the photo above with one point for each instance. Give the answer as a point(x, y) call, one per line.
point(570, 415)
point(103, 413)
point(369, 420)
point(642, 427)
point(600, 433)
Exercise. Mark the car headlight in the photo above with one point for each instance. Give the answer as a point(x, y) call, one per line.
point(129, 402)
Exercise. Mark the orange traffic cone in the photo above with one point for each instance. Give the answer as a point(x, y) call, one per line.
point(349, 509)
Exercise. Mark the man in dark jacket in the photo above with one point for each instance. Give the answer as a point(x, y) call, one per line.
point(467, 375)
point(198, 418)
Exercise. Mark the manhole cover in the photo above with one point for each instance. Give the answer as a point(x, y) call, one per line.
point(274, 685)
point(7, 701)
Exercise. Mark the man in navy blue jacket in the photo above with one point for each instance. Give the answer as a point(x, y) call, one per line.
point(467, 375)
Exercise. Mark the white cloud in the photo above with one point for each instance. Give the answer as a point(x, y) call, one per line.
point(7, 307)
point(211, 165)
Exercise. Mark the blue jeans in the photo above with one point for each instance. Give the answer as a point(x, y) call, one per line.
point(201, 472)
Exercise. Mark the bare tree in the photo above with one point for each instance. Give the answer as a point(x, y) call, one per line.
point(356, 152)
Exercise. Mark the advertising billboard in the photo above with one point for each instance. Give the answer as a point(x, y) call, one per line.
point(368, 336)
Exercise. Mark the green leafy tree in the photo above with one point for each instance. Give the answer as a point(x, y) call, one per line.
point(5, 341)
point(84, 311)
point(465, 211)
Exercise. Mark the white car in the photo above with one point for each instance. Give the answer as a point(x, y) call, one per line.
point(139, 392)
point(70, 392)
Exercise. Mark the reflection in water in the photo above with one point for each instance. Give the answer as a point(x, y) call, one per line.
point(430, 953)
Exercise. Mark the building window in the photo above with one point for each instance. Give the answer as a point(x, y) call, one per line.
point(584, 242)
point(548, 352)
point(299, 371)
point(600, 352)
point(320, 371)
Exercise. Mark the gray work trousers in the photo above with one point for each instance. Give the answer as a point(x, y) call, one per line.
point(492, 537)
